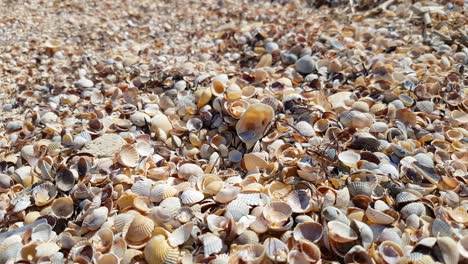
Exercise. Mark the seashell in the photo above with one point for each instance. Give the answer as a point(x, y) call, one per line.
point(277, 213)
point(102, 240)
point(158, 251)
point(385, 217)
point(144, 149)
point(211, 244)
point(300, 200)
point(321, 125)
point(349, 158)
point(425, 160)
point(191, 196)
point(275, 249)
point(425, 106)
point(236, 209)
point(96, 218)
point(140, 119)
point(341, 233)
point(448, 249)
point(139, 230)
point(161, 125)
point(180, 235)
point(253, 123)
point(390, 252)
point(311, 231)
point(247, 237)
point(412, 208)
point(188, 169)
point(204, 97)
point(459, 214)
point(378, 127)
point(406, 197)
point(358, 254)
point(254, 161)
point(459, 116)
point(62, 207)
point(108, 258)
point(249, 254)
point(331, 213)
point(359, 188)
point(171, 204)
point(363, 140)
point(10, 248)
point(226, 195)
point(355, 119)
point(44, 193)
point(462, 247)
point(305, 129)
point(42, 232)
point(218, 88)
point(161, 192)
point(128, 156)
point(64, 179)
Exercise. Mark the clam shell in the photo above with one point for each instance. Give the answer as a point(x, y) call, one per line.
point(390, 252)
point(188, 169)
point(311, 231)
point(349, 158)
point(413, 208)
point(237, 209)
point(158, 251)
point(355, 119)
point(277, 213)
point(95, 219)
point(191, 196)
point(276, 250)
point(180, 235)
point(42, 232)
point(10, 248)
point(211, 244)
point(247, 237)
point(358, 253)
point(161, 192)
point(62, 207)
point(44, 193)
point(139, 230)
point(448, 249)
point(300, 200)
point(253, 123)
point(227, 194)
point(341, 233)
point(305, 129)
point(128, 156)
point(462, 247)
point(64, 179)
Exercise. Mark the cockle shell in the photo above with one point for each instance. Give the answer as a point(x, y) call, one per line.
point(211, 244)
point(128, 156)
point(158, 251)
point(275, 249)
point(96, 218)
point(253, 123)
point(139, 230)
point(44, 193)
point(62, 207)
point(341, 233)
point(191, 196)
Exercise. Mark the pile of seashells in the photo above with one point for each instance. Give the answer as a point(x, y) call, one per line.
point(233, 132)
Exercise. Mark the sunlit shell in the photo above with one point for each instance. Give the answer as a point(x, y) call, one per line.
point(42, 232)
point(355, 119)
point(462, 247)
point(253, 123)
point(249, 254)
point(64, 179)
point(180, 235)
point(139, 230)
point(227, 194)
point(161, 192)
point(191, 196)
point(236, 209)
point(205, 97)
point(311, 231)
point(158, 251)
point(331, 213)
point(103, 239)
point(128, 156)
point(161, 125)
point(108, 258)
point(144, 149)
point(62, 207)
point(459, 214)
point(349, 158)
point(211, 244)
point(459, 116)
point(275, 249)
point(247, 237)
point(305, 129)
point(96, 218)
point(381, 217)
point(189, 169)
point(44, 194)
point(358, 253)
point(390, 252)
point(277, 213)
point(300, 201)
point(341, 233)
point(10, 248)
point(412, 208)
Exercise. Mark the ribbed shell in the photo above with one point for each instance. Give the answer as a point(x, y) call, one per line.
point(158, 251)
point(191, 196)
point(413, 208)
point(236, 209)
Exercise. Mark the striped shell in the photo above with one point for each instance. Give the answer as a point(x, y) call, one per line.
point(158, 251)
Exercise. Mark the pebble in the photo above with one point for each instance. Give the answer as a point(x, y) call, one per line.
point(288, 58)
point(271, 46)
point(305, 64)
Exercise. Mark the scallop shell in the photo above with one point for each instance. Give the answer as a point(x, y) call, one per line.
point(161, 192)
point(237, 209)
point(211, 244)
point(158, 251)
point(305, 129)
point(139, 230)
point(128, 156)
point(247, 237)
point(253, 123)
point(62, 207)
point(275, 249)
point(191, 196)
point(341, 233)
point(413, 208)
